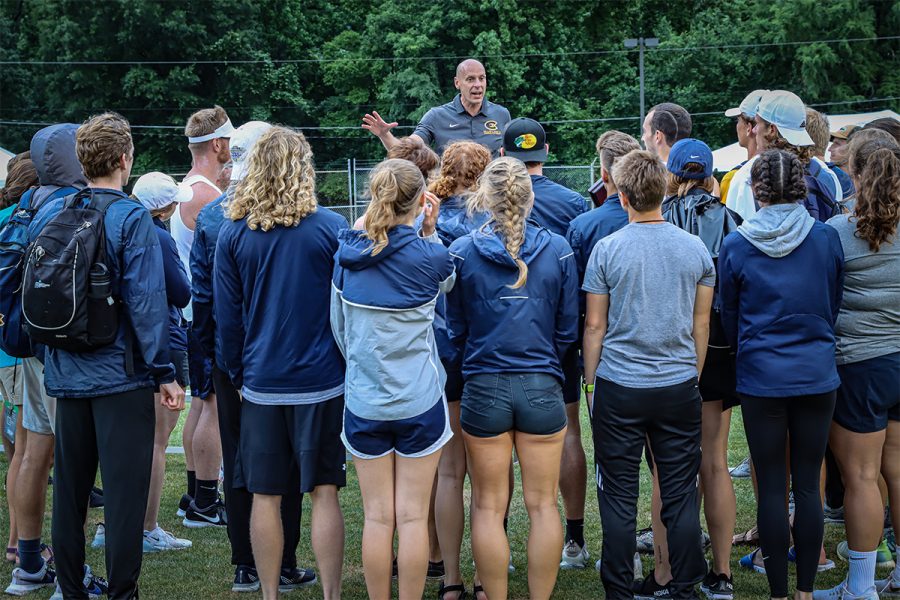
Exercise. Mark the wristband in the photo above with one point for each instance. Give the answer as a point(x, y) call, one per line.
point(588, 388)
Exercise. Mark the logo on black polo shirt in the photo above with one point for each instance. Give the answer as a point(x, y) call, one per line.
point(491, 128)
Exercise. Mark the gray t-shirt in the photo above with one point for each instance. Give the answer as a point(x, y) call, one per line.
point(868, 325)
point(448, 123)
point(651, 272)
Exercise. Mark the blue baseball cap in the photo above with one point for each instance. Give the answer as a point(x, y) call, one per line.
point(786, 111)
point(748, 105)
point(688, 151)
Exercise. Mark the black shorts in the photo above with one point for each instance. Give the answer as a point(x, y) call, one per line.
point(869, 395)
point(571, 369)
point(283, 446)
point(453, 389)
point(719, 378)
point(494, 403)
point(200, 367)
point(180, 360)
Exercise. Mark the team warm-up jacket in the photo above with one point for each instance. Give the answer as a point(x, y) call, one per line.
point(272, 293)
point(135, 262)
point(178, 288)
point(498, 329)
point(779, 312)
point(555, 205)
point(382, 309)
point(203, 255)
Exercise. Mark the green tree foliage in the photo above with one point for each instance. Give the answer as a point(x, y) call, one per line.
point(321, 64)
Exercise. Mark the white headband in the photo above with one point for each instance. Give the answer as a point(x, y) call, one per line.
point(222, 131)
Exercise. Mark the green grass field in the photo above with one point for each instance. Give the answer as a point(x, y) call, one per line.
point(204, 570)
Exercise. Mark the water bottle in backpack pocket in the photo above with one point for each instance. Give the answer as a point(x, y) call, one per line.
point(67, 300)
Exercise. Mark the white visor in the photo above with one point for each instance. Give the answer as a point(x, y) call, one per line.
point(222, 131)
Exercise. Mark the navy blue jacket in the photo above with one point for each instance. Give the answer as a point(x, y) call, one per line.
point(138, 279)
point(779, 313)
point(272, 294)
point(846, 182)
point(555, 205)
point(203, 254)
point(591, 227)
point(498, 329)
point(178, 288)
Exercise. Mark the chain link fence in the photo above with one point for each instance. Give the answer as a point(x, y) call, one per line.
point(346, 191)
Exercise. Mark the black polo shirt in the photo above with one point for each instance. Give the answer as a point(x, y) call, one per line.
point(450, 122)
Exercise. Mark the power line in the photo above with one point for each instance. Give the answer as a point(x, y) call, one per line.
point(661, 48)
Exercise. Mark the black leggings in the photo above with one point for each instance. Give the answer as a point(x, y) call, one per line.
point(773, 426)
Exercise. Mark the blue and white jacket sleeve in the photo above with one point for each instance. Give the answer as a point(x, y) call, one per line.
point(566, 332)
point(338, 323)
point(446, 270)
point(457, 328)
point(228, 308)
point(143, 293)
point(204, 324)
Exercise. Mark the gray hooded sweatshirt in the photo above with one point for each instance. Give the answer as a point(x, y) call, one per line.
point(778, 229)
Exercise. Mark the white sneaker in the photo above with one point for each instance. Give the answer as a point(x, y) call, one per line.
point(574, 556)
point(99, 537)
point(840, 592)
point(888, 588)
point(160, 540)
point(638, 566)
point(24, 582)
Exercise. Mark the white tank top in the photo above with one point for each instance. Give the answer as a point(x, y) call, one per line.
point(184, 236)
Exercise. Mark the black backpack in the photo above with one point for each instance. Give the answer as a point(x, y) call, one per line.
point(67, 300)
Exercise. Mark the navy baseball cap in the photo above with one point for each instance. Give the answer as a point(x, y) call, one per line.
point(525, 139)
point(688, 151)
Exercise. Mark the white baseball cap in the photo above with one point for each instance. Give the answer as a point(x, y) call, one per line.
point(786, 111)
point(157, 190)
point(242, 141)
point(748, 105)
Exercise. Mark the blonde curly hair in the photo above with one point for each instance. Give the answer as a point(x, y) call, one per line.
point(280, 186)
point(505, 192)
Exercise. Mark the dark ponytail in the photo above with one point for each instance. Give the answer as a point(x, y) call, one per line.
point(777, 177)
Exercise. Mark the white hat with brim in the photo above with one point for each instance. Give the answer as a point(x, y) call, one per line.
point(242, 141)
point(748, 105)
point(157, 190)
point(787, 112)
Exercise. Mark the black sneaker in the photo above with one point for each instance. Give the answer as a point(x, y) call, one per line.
point(96, 500)
point(648, 589)
point(184, 504)
point(245, 579)
point(435, 570)
point(294, 579)
point(211, 516)
point(395, 570)
point(717, 586)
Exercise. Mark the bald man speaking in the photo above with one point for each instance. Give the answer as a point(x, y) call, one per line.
point(470, 116)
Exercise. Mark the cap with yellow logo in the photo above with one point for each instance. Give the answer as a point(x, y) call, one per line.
point(525, 139)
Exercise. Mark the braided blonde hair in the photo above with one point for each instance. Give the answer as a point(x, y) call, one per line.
point(280, 186)
point(505, 192)
point(396, 185)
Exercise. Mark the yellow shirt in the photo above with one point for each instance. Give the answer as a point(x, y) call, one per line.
point(723, 185)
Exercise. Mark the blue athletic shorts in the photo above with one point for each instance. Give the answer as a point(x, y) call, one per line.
point(414, 437)
point(199, 367)
point(869, 395)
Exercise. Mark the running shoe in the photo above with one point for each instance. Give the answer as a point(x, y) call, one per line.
point(717, 586)
point(435, 570)
point(245, 579)
point(184, 504)
point(574, 556)
point(840, 592)
point(741, 470)
point(825, 566)
point(747, 562)
point(24, 582)
point(160, 540)
point(648, 589)
point(638, 567)
point(99, 537)
point(211, 516)
point(95, 586)
point(834, 515)
point(96, 500)
point(644, 541)
point(883, 559)
point(294, 579)
point(888, 588)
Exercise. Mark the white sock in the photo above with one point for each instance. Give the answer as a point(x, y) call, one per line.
point(861, 576)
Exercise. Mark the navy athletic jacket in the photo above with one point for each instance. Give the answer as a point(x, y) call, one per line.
point(272, 294)
point(497, 329)
point(178, 288)
point(138, 279)
point(203, 254)
point(780, 295)
point(555, 205)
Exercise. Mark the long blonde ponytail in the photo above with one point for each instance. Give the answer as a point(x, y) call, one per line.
point(395, 186)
